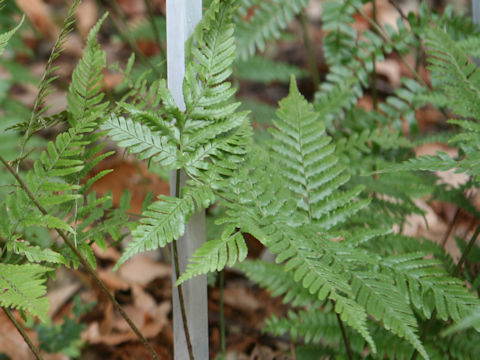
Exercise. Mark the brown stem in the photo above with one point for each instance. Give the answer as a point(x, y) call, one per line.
point(25, 336)
point(177, 273)
point(456, 272)
point(85, 263)
point(374, 66)
point(310, 54)
point(345, 338)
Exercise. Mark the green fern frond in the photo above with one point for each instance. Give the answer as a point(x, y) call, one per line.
point(23, 287)
point(429, 287)
point(36, 121)
point(385, 302)
point(6, 36)
point(84, 99)
point(214, 255)
point(139, 139)
point(267, 22)
point(279, 282)
point(35, 253)
point(164, 220)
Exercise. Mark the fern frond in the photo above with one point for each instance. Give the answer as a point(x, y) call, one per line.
point(139, 139)
point(279, 282)
point(84, 99)
point(23, 287)
point(164, 220)
point(6, 36)
point(36, 122)
point(214, 255)
point(385, 302)
point(35, 254)
point(267, 22)
point(429, 287)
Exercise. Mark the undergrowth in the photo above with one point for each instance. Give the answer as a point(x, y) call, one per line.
point(327, 191)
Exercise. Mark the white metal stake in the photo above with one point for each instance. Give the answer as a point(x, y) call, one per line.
point(476, 11)
point(182, 17)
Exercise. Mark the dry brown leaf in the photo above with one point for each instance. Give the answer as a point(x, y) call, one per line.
point(39, 15)
point(110, 253)
point(11, 342)
point(142, 270)
point(86, 14)
point(113, 280)
point(238, 297)
point(132, 8)
point(59, 296)
point(391, 70)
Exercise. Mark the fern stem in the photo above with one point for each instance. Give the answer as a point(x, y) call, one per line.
point(156, 32)
point(125, 36)
point(345, 338)
point(223, 346)
point(387, 39)
point(456, 272)
point(85, 263)
point(181, 299)
point(25, 336)
point(309, 48)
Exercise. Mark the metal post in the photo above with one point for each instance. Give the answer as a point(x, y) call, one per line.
point(182, 17)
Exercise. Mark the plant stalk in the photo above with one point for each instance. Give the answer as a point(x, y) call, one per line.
point(25, 336)
point(177, 274)
point(86, 264)
point(456, 272)
point(223, 346)
point(345, 338)
point(309, 48)
point(156, 32)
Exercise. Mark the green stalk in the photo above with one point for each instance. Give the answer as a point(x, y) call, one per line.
point(25, 336)
point(85, 263)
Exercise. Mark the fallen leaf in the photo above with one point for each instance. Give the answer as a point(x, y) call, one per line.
point(87, 15)
point(40, 16)
point(143, 269)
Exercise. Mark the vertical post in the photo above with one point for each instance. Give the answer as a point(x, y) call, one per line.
point(182, 17)
point(476, 19)
point(476, 11)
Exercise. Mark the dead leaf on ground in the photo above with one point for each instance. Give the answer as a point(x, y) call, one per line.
point(143, 269)
point(40, 16)
point(87, 15)
point(59, 296)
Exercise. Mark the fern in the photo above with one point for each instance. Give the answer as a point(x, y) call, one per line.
point(22, 287)
point(264, 70)
point(267, 21)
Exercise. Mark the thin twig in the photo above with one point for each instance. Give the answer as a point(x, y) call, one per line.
point(25, 336)
point(181, 299)
point(156, 32)
point(223, 346)
point(345, 338)
point(456, 272)
point(85, 263)
point(382, 33)
point(309, 48)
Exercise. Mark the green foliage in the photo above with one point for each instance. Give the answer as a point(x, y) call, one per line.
point(23, 287)
point(260, 69)
point(268, 20)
